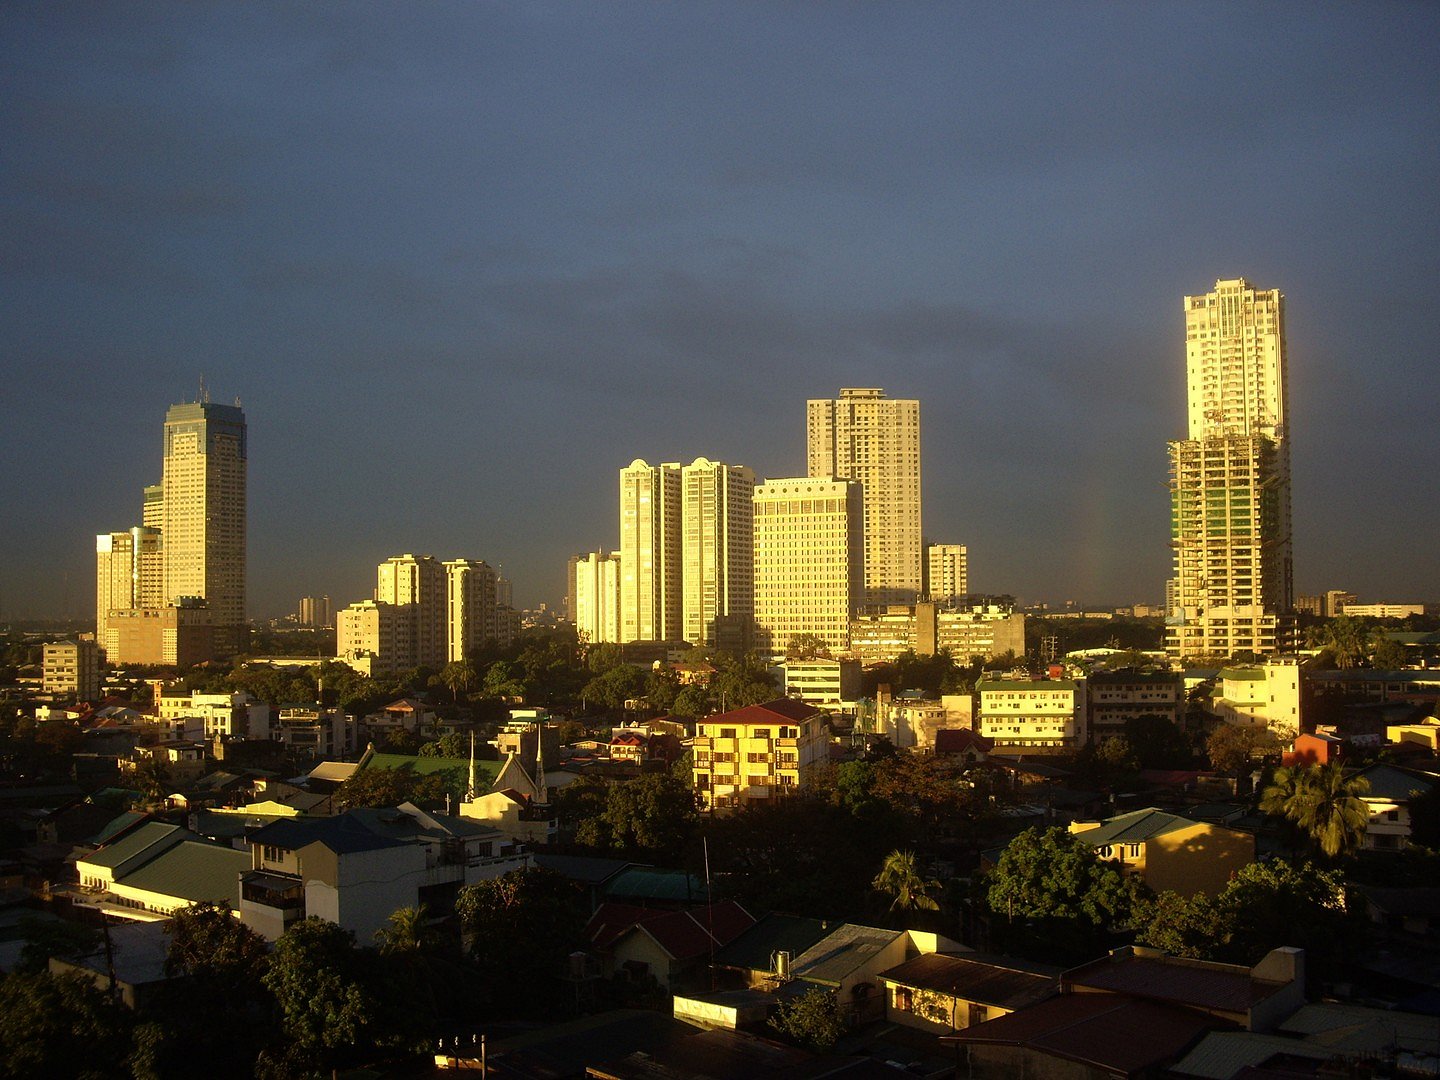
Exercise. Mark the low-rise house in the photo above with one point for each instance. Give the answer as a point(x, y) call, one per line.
point(356, 868)
point(943, 992)
point(1169, 851)
point(134, 956)
point(668, 946)
point(1263, 696)
point(1392, 790)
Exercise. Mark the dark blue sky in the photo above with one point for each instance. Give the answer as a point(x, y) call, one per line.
point(462, 262)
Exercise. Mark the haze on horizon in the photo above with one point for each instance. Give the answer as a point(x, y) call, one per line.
point(461, 263)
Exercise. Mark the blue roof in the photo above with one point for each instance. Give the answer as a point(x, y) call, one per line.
point(342, 834)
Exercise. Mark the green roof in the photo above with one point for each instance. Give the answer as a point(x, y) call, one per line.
point(1243, 674)
point(645, 883)
point(143, 843)
point(1135, 827)
point(424, 766)
point(194, 870)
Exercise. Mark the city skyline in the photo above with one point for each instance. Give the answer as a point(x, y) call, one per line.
point(462, 267)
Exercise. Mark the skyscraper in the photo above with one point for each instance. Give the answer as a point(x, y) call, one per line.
point(717, 552)
point(809, 560)
point(129, 573)
point(865, 436)
point(947, 571)
point(650, 560)
point(416, 585)
point(1232, 589)
point(202, 512)
point(470, 606)
point(595, 596)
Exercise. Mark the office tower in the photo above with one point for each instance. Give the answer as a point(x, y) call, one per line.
point(313, 611)
point(717, 586)
point(152, 513)
point(504, 592)
point(868, 437)
point(203, 513)
point(595, 596)
point(650, 594)
point(1230, 479)
point(947, 571)
point(809, 559)
point(470, 606)
point(416, 586)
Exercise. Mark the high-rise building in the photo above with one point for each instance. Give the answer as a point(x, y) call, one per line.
point(947, 571)
point(416, 586)
point(1232, 586)
point(202, 513)
point(717, 579)
point(129, 573)
point(650, 559)
point(595, 596)
point(868, 437)
point(313, 611)
point(809, 560)
point(470, 606)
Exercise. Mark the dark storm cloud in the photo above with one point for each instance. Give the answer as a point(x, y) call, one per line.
point(462, 262)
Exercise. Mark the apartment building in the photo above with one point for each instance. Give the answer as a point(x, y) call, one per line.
point(758, 752)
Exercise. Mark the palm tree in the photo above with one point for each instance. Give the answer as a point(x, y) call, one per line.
point(900, 879)
point(458, 676)
point(1324, 802)
point(407, 932)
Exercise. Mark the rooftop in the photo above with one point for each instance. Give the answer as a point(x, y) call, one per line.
point(840, 952)
point(1135, 827)
point(999, 981)
point(781, 709)
point(1199, 984)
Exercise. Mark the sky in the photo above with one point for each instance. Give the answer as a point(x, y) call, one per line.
point(462, 262)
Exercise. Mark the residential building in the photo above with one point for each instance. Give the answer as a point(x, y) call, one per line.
point(313, 611)
point(717, 549)
point(224, 714)
point(1117, 697)
point(1337, 602)
point(830, 683)
point(947, 572)
point(1170, 852)
point(981, 627)
point(595, 596)
point(809, 560)
point(875, 440)
point(1383, 611)
point(470, 606)
point(368, 636)
point(1388, 801)
point(651, 599)
point(71, 669)
point(203, 530)
point(1045, 715)
point(1267, 695)
point(355, 869)
point(758, 752)
point(322, 732)
point(1310, 605)
point(416, 586)
point(129, 573)
point(1230, 480)
point(672, 947)
point(940, 992)
point(177, 635)
point(151, 871)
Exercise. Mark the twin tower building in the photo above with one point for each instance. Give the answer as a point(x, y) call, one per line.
point(710, 556)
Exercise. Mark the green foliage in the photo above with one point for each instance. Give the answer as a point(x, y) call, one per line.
point(693, 702)
point(406, 931)
point(61, 1026)
point(901, 880)
point(452, 745)
point(615, 686)
point(45, 938)
point(812, 1020)
point(806, 647)
point(207, 941)
point(1056, 896)
point(661, 689)
point(1387, 655)
point(1232, 747)
point(314, 977)
point(390, 787)
point(1323, 802)
point(654, 817)
point(602, 657)
point(1157, 743)
point(528, 921)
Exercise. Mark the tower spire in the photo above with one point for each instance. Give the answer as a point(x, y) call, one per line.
point(542, 796)
point(472, 790)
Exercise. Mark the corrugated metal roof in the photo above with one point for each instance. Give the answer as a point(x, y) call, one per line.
point(774, 933)
point(1135, 827)
point(991, 981)
point(1222, 1054)
point(144, 842)
point(1355, 1029)
point(841, 951)
point(1198, 983)
point(193, 870)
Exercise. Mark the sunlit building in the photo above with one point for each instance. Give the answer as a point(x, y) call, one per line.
point(128, 573)
point(809, 560)
point(757, 753)
point(651, 600)
point(71, 669)
point(470, 606)
point(1230, 480)
point(947, 571)
point(595, 596)
point(416, 586)
point(865, 436)
point(717, 549)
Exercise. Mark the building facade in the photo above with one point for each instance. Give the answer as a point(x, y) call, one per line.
point(416, 587)
point(71, 669)
point(650, 552)
point(203, 513)
point(129, 573)
point(595, 596)
point(809, 560)
point(758, 752)
point(867, 437)
point(717, 549)
point(1116, 697)
point(1046, 715)
point(470, 606)
point(1230, 480)
point(947, 572)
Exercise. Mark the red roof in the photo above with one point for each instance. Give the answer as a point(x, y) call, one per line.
point(1196, 983)
point(682, 934)
point(768, 713)
point(959, 740)
point(1108, 1031)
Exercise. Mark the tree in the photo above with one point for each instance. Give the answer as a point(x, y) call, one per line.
point(1231, 747)
point(1181, 926)
point(451, 745)
point(807, 647)
point(406, 931)
point(615, 686)
point(458, 676)
point(1386, 654)
point(1346, 638)
point(314, 976)
point(1324, 802)
point(528, 921)
point(1158, 743)
point(207, 941)
point(49, 937)
point(692, 701)
point(901, 880)
point(812, 1020)
point(1066, 898)
point(61, 1026)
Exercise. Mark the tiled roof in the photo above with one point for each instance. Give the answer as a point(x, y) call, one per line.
point(958, 740)
point(1104, 1030)
point(682, 934)
point(769, 713)
point(1399, 785)
point(999, 981)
